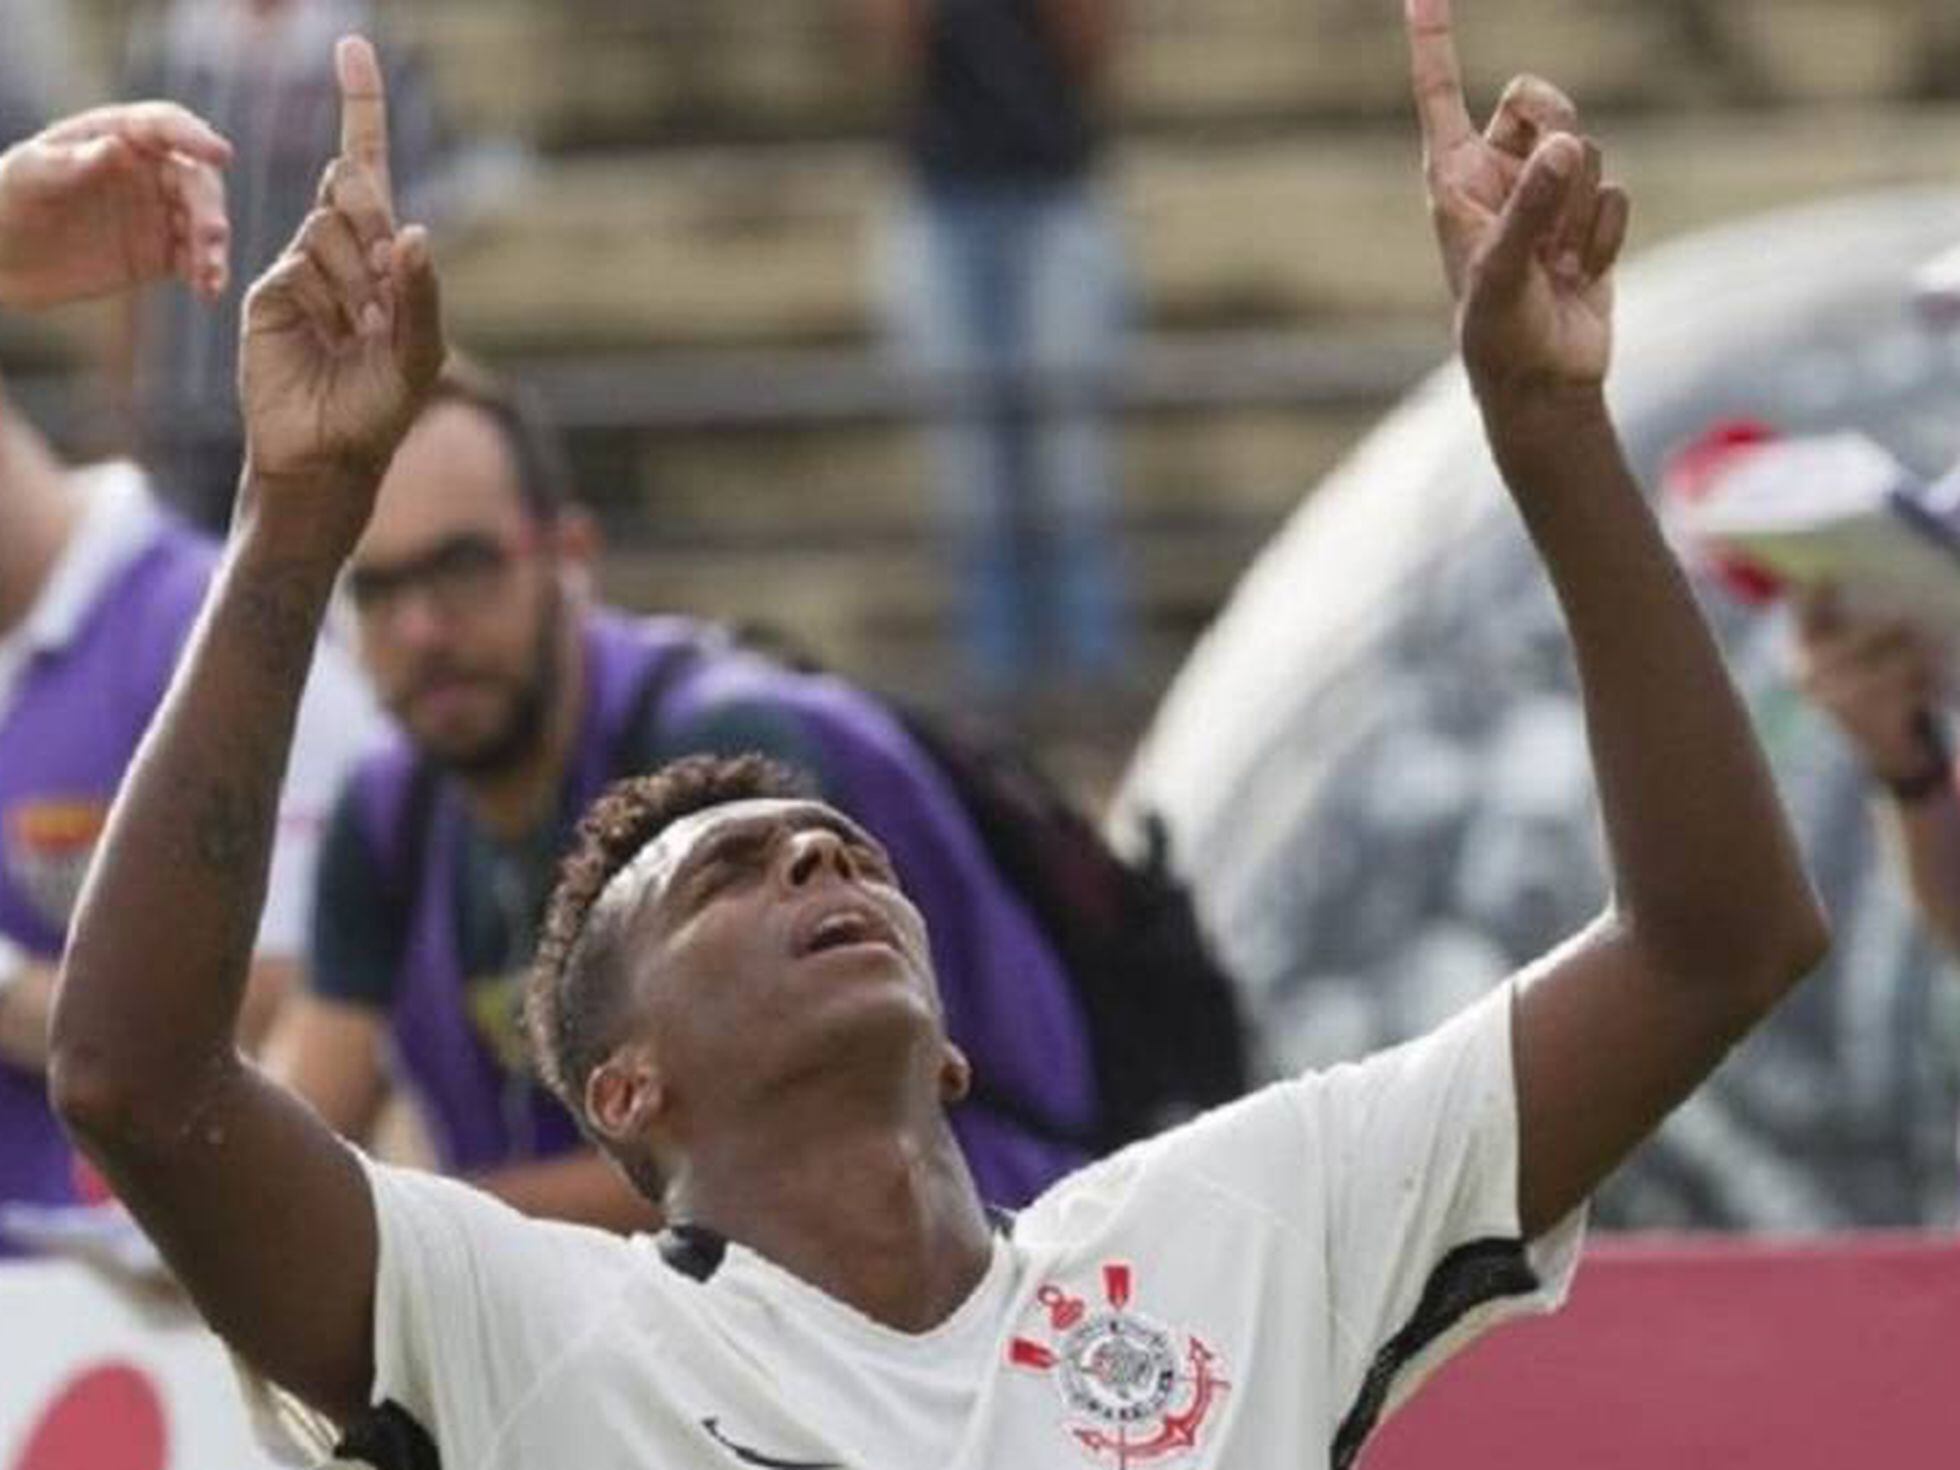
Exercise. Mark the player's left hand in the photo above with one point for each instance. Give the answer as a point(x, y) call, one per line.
point(1529, 233)
point(110, 200)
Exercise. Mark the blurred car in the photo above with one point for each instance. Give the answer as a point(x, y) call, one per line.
point(1373, 766)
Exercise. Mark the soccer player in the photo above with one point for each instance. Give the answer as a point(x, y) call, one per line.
point(742, 1008)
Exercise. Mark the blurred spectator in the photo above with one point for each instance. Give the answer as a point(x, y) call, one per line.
point(519, 701)
point(1885, 684)
point(261, 71)
point(98, 590)
point(36, 66)
point(1006, 279)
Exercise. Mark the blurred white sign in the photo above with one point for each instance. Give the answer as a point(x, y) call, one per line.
point(94, 1379)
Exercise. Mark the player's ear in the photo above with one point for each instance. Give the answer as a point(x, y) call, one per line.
point(624, 1096)
point(955, 1076)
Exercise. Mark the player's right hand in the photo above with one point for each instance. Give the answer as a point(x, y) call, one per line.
point(1529, 233)
point(1878, 678)
point(343, 334)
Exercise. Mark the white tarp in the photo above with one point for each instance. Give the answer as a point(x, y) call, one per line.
point(1373, 767)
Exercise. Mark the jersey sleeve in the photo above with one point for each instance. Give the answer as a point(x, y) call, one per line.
point(474, 1304)
point(357, 923)
point(1419, 1151)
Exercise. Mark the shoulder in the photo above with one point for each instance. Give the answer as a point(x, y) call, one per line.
point(1293, 1149)
point(367, 820)
point(476, 1305)
point(156, 591)
point(696, 689)
point(1247, 1159)
point(374, 796)
point(447, 1211)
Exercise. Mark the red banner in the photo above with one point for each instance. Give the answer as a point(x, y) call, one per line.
point(1740, 1356)
point(1732, 1355)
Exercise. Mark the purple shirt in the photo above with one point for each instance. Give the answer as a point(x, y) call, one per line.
point(77, 711)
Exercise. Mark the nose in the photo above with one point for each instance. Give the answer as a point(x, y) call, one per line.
point(814, 852)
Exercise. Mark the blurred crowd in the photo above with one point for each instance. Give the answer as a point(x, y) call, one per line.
point(481, 693)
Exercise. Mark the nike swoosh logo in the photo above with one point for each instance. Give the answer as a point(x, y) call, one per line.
point(755, 1457)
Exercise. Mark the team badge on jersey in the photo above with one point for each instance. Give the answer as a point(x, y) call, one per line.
point(48, 847)
point(1134, 1392)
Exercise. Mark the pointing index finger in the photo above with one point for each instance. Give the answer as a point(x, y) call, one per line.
point(363, 110)
point(1437, 76)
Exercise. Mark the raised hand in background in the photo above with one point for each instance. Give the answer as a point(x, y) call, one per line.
point(110, 200)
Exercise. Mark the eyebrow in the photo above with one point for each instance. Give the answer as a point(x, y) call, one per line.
point(745, 834)
point(389, 574)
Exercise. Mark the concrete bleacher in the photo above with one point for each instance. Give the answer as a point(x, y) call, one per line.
point(710, 176)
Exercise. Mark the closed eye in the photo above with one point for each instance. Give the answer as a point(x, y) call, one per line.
point(874, 862)
point(731, 861)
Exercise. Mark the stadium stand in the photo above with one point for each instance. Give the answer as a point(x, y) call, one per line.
point(684, 269)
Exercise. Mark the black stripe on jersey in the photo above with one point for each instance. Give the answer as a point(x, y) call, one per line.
point(1465, 1279)
point(388, 1437)
point(693, 1250)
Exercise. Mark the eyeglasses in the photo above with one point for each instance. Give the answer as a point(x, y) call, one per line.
point(462, 576)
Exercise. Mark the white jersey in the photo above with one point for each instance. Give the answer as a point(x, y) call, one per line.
point(1255, 1289)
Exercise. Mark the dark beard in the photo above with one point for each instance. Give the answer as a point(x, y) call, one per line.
point(523, 732)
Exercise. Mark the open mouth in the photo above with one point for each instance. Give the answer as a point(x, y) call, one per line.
point(846, 929)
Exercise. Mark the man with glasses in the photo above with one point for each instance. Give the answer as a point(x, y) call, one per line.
point(518, 700)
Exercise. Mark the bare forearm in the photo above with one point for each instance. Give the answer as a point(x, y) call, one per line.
point(1706, 870)
point(161, 949)
point(1928, 837)
point(583, 1188)
point(24, 1008)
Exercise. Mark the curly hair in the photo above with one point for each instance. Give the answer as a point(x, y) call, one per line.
point(573, 1001)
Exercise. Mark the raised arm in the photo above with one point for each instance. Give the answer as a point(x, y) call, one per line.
point(264, 1215)
point(1712, 918)
point(110, 200)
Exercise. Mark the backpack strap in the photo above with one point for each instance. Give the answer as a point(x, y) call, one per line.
point(644, 713)
point(394, 792)
point(413, 818)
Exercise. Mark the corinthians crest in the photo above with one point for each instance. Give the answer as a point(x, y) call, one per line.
point(1134, 1390)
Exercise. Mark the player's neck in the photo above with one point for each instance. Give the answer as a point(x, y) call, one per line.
point(884, 1220)
point(39, 510)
